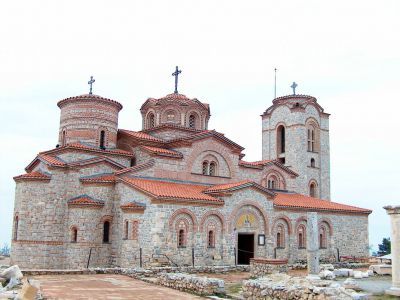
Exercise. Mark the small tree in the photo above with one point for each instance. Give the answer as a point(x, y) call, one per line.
point(384, 248)
point(5, 250)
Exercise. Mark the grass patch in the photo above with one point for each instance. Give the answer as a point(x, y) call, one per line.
point(234, 288)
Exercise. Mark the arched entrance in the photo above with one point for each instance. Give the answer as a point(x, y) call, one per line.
point(248, 224)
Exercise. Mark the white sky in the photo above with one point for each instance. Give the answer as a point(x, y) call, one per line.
point(345, 53)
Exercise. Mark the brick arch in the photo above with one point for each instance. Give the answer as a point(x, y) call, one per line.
point(286, 220)
point(212, 213)
point(299, 220)
point(327, 222)
point(249, 203)
point(197, 151)
point(108, 218)
point(197, 114)
point(184, 211)
point(281, 178)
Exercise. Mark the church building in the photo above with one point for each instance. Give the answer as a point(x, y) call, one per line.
point(176, 192)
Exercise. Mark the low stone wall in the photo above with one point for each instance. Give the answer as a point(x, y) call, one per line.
point(263, 266)
point(190, 283)
point(282, 286)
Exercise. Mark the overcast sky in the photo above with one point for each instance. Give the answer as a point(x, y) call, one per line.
point(345, 53)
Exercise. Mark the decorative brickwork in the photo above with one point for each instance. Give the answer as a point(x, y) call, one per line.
point(176, 193)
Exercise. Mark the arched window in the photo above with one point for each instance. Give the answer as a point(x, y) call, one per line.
point(213, 169)
point(126, 230)
point(74, 235)
point(150, 120)
point(106, 232)
point(16, 228)
point(311, 139)
point(63, 138)
point(181, 238)
point(312, 163)
point(313, 190)
point(322, 238)
point(280, 237)
point(205, 168)
point(133, 161)
point(192, 121)
point(301, 237)
point(135, 230)
point(102, 139)
point(211, 239)
point(281, 139)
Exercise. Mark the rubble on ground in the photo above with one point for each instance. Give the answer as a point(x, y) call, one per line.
point(282, 286)
point(15, 286)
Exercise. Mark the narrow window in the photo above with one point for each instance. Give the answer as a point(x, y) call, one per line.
point(181, 238)
point(312, 140)
point(312, 190)
point(312, 163)
point(63, 138)
point(211, 239)
point(269, 184)
point(133, 161)
point(126, 229)
point(106, 232)
point(151, 121)
point(280, 237)
point(192, 121)
point(309, 139)
point(74, 235)
point(281, 139)
point(212, 169)
point(205, 168)
point(322, 238)
point(301, 245)
point(102, 139)
point(301, 237)
point(278, 240)
point(16, 228)
point(135, 230)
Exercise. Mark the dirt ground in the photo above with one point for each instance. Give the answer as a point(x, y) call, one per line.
point(104, 286)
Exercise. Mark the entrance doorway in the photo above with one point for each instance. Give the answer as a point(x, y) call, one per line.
point(245, 248)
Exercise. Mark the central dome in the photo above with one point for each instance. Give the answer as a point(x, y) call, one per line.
point(175, 109)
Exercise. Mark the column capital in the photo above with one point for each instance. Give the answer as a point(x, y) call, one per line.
point(392, 210)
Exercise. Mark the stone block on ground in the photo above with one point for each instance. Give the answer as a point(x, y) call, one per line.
point(352, 284)
point(381, 269)
point(12, 272)
point(358, 274)
point(326, 274)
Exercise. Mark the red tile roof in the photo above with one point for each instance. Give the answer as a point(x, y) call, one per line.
point(85, 200)
point(162, 151)
point(230, 187)
point(80, 146)
point(133, 206)
point(287, 200)
point(32, 176)
point(52, 160)
point(165, 190)
point(136, 168)
point(141, 135)
point(261, 163)
point(104, 178)
point(89, 97)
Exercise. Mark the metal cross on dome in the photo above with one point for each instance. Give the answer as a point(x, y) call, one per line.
point(294, 86)
point(176, 73)
point(90, 82)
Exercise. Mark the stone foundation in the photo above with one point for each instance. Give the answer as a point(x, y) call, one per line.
point(262, 266)
point(189, 283)
point(282, 286)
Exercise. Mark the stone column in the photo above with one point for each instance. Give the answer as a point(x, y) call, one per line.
point(312, 245)
point(394, 213)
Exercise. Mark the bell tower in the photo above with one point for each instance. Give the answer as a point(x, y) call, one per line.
point(295, 131)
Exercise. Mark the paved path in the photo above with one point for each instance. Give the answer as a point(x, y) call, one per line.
point(104, 286)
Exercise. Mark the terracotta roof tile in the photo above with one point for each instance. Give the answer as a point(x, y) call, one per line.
point(261, 163)
point(85, 200)
point(32, 176)
point(133, 206)
point(237, 185)
point(80, 146)
point(89, 97)
point(162, 151)
point(304, 202)
point(255, 163)
point(52, 160)
point(172, 190)
point(141, 135)
point(104, 178)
